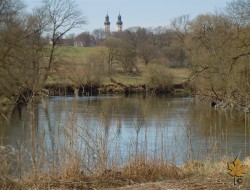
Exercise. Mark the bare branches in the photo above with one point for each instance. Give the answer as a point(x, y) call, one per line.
point(61, 16)
point(23, 61)
point(219, 49)
point(239, 12)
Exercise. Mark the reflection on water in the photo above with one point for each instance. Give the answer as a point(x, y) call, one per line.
point(119, 128)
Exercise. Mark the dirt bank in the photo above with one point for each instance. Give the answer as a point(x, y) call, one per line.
point(187, 184)
point(113, 87)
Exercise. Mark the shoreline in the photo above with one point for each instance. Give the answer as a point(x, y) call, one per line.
point(112, 88)
point(136, 175)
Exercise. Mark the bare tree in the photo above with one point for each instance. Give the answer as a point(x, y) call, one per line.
point(147, 52)
point(218, 48)
point(127, 57)
point(84, 39)
point(135, 36)
point(157, 36)
point(112, 45)
point(181, 27)
point(238, 11)
point(12, 36)
point(62, 16)
point(69, 40)
point(99, 36)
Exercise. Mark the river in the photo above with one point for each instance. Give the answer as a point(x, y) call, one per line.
point(114, 129)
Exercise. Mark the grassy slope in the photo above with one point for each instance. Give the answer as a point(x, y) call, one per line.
point(77, 56)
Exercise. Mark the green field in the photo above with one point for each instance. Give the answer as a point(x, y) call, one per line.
point(75, 61)
point(76, 52)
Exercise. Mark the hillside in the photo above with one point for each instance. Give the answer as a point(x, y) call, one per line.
point(74, 61)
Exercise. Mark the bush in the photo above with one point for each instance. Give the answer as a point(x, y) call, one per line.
point(157, 76)
point(92, 71)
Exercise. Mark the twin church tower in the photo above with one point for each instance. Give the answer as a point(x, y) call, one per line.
point(107, 24)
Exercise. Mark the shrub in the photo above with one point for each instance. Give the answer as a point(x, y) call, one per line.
point(93, 70)
point(157, 76)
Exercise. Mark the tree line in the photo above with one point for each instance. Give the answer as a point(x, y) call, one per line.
point(218, 48)
point(26, 62)
point(146, 44)
point(215, 47)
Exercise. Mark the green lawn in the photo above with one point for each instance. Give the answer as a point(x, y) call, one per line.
point(71, 51)
point(126, 79)
point(180, 74)
point(76, 52)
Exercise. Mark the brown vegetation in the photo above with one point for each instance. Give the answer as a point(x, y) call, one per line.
point(218, 48)
point(138, 174)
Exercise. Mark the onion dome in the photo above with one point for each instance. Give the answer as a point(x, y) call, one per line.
point(107, 20)
point(119, 22)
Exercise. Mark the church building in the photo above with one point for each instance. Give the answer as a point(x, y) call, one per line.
point(107, 24)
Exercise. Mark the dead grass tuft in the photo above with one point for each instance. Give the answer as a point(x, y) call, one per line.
point(72, 171)
point(141, 169)
point(205, 167)
point(138, 170)
point(8, 184)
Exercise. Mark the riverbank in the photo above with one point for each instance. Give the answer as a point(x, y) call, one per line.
point(114, 87)
point(199, 183)
point(137, 176)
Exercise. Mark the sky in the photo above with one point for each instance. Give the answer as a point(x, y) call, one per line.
point(144, 13)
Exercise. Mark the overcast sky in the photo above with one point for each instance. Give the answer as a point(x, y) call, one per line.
point(145, 13)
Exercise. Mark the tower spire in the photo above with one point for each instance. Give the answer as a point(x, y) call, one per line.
point(119, 23)
point(107, 24)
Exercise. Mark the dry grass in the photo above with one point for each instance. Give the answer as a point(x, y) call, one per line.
point(139, 173)
point(75, 72)
point(135, 172)
point(151, 170)
point(8, 184)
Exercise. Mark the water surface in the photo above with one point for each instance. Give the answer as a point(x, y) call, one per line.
point(118, 128)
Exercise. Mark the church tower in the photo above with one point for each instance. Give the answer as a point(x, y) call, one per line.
point(107, 25)
point(119, 23)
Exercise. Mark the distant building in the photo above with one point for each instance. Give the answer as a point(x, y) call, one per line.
point(107, 25)
point(119, 24)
